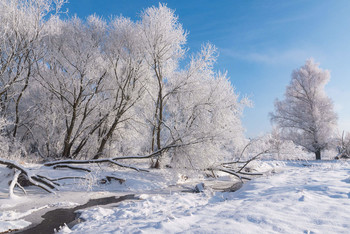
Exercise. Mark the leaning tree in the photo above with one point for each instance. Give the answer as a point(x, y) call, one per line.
point(306, 115)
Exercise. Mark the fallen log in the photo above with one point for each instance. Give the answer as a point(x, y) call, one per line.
point(35, 179)
point(71, 167)
point(92, 161)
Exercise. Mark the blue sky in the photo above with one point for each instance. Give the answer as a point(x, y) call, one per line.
point(260, 43)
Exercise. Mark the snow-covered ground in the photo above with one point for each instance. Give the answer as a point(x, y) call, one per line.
point(309, 198)
point(292, 197)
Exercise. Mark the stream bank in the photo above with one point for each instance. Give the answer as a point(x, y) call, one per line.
point(55, 219)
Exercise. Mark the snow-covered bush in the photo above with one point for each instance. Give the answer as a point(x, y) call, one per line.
point(282, 149)
point(275, 147)
point(89, 181)
point(342, 145)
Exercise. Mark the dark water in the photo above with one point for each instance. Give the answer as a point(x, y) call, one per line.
point(56, 218)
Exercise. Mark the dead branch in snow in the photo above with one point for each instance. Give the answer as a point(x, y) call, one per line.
point(40, 181)
point(102, 160)
point(245, 163)
point(92, 161)
point(70, 178)
point(24, 175)
point(238, 169)
point(71, 167)
point(251, 174)
point(112, 160)
point(250, 160)
point(14, 182)
point(233, 173)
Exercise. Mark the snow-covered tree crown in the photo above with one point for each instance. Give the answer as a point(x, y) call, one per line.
point(308, 83)
point(306, 115)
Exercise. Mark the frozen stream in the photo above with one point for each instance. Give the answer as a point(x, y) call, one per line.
point(55, 219)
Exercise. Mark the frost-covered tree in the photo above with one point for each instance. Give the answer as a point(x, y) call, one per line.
point(125, 86)
point(204, 113)
point(195, 110)
point(72, 74)
point(163, 40)
point(22, 28)
point(93, 88)
point(306, 115)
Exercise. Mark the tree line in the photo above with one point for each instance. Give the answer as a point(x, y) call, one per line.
point(85, 89)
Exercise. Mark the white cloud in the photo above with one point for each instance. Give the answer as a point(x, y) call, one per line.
point(270, 57)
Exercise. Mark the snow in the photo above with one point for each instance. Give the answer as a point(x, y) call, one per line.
point(291, 197)
point(13, 220)
point(300, 198)
point(13, 211)
point(13, 225)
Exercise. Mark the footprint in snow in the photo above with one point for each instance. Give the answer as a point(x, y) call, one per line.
point(302, 198)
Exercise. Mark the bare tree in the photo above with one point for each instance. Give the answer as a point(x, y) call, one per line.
point(306, 115)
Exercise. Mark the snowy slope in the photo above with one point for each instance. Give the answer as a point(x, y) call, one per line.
point(298, 198)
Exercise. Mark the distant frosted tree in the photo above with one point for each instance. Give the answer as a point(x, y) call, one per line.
point(306, 115)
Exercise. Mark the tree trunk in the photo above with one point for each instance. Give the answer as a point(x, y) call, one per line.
point(318, 154)
point(160, 121)
point(68, 143)
point(19, 99)
point(107, 136)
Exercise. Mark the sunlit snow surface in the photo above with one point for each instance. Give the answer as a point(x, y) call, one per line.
point(292, 197)
point(299, 198)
